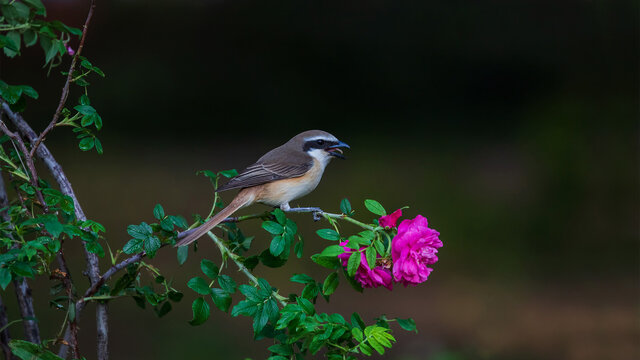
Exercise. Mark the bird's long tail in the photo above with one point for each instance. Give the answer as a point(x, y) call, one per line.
point(245, 197)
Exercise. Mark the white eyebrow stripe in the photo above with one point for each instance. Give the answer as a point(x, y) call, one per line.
point(320, 137)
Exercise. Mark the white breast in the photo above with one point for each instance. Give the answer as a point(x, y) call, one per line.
point(283, 191)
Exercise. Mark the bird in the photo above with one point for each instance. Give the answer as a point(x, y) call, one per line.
point(280, 176)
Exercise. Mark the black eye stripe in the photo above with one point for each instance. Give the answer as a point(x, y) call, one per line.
point(318, 144)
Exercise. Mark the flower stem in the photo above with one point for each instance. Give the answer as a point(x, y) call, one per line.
point(349, 219)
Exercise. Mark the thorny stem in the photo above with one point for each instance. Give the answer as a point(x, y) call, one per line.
point(65, 89)
point(224, 250)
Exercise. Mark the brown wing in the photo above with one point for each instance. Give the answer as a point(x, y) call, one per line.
point(262, 173)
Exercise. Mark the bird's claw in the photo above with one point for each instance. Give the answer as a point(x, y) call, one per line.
point(316, 211)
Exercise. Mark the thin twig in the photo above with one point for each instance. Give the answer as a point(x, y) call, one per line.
point(65, 89)
point(109, 273)
point(65, 276)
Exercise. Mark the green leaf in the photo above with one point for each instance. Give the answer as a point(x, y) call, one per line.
point(53, 226)
point(86, 144)
point(332, 251)
point(298, 249)
point(87, 120)
point(371, 256)
point(375, 207)
point(328, 234)
point(175, 296)
point(29, 351)
point(281, 349)
point(227, 283)
point(272, 227)
point(291, 227)
point(151, 244)
point(13, 50)
point(200, 310)
point(158, 212)
point(11, 93)
point(163, 310)
point(407, 324)
point(97, 120)
point(260, 320)
point(306, 306)
point(280, 357)
point(316, 345)
point(30, 37)
point(141, 231)
point(353, 282)
point(37, 4)
point(277, 245)
point(5, 278)
point(95, 248)
point(330, 284)
point(209, 268)
point(273, 312)
point(85, 109)
point(270, 260)
point(310, 291)
point(353, 263)
point(330, 262)
point(179, 221)
point(221, 299)
point(229, 173)
point(356, 321)
point(345, 206)
point(183, 253)
point(244, 307)
point(166, 224)
point(29, 91)
point(199, 285)
point(133, 246)
point(280, 216)
point(22, 269)
point(366, 349)
point(376, 345)
point(357, 334)
point(302, 279)
point(98, 145)
point(51, 50)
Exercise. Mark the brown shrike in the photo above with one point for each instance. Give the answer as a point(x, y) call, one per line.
point(285, 173)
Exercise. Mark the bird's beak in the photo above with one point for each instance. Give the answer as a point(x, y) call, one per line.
point(336, 151)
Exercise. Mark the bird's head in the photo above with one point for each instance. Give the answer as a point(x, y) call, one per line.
point(321, 145)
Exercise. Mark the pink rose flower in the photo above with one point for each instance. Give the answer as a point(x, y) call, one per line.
point(368, 278)
point(412, 249)
point(389, 221)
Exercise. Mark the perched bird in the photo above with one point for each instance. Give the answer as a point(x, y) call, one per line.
point(285, 173)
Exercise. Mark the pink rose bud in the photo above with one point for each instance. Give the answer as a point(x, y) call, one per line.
point(390, 220)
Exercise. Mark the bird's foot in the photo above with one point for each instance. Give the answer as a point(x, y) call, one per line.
point(317, 212)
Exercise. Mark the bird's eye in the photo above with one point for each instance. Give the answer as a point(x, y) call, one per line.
point(320, 142)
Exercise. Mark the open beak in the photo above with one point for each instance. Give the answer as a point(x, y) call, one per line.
point(336, 151)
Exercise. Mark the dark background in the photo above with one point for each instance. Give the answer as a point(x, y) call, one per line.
point(512, 126)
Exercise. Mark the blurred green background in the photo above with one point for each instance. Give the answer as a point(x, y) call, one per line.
point(512, 126)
